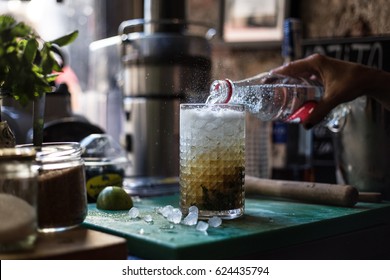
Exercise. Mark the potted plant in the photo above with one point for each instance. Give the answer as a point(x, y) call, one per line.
point(28, 67)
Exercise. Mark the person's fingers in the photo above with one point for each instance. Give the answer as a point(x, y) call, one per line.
point(323, 108)
point(316, 117)
point(293, 69)
point(306, 67)
point(338, 78)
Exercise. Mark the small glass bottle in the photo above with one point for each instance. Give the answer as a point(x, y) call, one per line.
point(270, 96)
point(18, 199)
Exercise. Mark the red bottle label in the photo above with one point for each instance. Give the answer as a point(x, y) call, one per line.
point(301, 114)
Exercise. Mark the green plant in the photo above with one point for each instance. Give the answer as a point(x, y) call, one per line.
point(28, 66)
point(27, 62)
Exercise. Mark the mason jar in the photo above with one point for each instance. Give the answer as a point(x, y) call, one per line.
point(105, 163)
point(62, 199)
point(18, 199)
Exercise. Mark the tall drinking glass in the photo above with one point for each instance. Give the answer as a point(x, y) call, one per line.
point(212, 159)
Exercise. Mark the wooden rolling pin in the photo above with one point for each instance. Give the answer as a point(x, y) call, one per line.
point(320, 193)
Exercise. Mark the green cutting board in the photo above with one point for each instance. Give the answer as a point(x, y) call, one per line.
point(266, 225)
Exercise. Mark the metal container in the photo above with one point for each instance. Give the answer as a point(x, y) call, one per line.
point(163, 66)
point(164, 70)
point(362, 149)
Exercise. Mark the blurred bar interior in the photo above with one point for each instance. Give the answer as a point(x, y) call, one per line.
point(135, 61)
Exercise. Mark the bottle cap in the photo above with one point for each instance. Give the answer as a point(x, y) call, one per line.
point(220, 91)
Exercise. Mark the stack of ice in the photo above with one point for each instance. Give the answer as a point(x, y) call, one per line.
point(133, 212)
point(202, 226)
point(215, 221)
point(174, 215)
point(148, 219)
point(192, 218)
point(218, 120)
point(171, 213)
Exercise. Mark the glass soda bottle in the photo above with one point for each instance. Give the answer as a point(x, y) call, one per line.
point(270, 96)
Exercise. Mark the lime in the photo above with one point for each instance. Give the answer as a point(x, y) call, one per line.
point(114, 198)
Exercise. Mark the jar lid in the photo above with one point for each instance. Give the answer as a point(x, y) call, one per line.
point(102, 149)
point(58, 151)
point(55, 151)
point(23, 154)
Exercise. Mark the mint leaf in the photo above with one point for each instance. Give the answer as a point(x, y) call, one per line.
point(30, 50)
point(27, 63)
point(65, 40)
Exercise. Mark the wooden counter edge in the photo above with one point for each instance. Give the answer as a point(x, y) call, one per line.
point(75, 244)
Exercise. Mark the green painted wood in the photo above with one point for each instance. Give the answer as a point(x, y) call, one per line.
point(267, 225)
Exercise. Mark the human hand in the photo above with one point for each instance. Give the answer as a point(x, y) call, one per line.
point(343, 81)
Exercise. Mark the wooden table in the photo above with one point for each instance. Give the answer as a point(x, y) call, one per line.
point(75, 244)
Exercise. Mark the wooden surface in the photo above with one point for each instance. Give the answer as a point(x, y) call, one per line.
point(267, 226)
point(76, 244)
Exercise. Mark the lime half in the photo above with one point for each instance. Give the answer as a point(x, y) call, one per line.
point(114, 198)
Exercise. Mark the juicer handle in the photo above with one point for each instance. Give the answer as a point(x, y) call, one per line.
point(128, 25)
point(320, 193)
